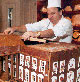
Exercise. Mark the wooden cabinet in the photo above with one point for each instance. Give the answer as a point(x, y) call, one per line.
point(0, 16)
point(17, 12)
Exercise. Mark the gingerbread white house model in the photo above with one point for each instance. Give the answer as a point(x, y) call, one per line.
point(49, 62)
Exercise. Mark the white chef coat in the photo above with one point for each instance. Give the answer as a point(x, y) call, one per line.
point(64, 26)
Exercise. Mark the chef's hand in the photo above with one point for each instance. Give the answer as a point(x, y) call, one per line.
point(9, 31)
point(27, 35)
point(57, 39)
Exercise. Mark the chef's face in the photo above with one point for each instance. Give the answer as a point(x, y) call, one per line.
point(54, 15)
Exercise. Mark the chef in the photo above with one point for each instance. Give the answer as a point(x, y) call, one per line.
point(55, 27)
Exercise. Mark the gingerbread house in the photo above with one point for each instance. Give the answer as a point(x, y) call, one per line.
point(49, 62)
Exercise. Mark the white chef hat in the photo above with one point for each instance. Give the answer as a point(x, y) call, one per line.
point(54, 3)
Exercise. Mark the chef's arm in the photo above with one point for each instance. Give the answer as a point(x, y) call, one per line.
point(46, 34)
point(11, 30)
point(20, 28)
point(49, 34)
point(60, 37)
point(64, 36)
point(39, 34)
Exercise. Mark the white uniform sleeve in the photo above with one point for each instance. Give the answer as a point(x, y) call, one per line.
point(63, 28)
point(37, 26)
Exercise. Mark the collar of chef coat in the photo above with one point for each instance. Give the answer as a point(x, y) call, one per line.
point(51, 26)
point(61, 27)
